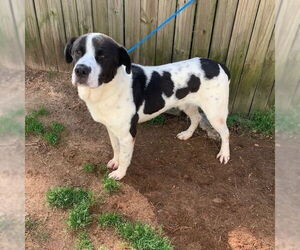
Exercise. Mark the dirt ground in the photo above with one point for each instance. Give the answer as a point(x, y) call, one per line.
point(179, 185)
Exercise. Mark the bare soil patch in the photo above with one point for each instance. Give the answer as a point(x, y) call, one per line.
point(199, 203)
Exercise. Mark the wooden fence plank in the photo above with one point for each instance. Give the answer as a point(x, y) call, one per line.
point(265, 84)
point(100, 16)
point(259, 43)
point(222, 30)
point(44, 16)
point(203, 27)
point(85, 16)
point(70, 18)
point(241, 34)
point(165, 36)
point(149, 10)
point(58, 32)
point(115, 20)
point(132, 26)
point(34, 55)
point(183, 32)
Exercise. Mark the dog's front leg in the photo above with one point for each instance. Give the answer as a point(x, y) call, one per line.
point(114, 162)
point(126, 148)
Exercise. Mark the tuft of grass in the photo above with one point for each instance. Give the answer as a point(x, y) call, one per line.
point(158, 120)
point(110, 185)
point(33, 125)
point(51, 137)
point(79, 216)
point(68, 197)
point(84, 242)
point(139, 235)
point(88, 168)
point(110, 220)
point(57, 127)
point(259, 121)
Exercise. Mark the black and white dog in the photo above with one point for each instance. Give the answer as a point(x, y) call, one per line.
point(119, 94)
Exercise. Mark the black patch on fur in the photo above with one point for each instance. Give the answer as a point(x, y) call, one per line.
point(79, 48)
point(181, 93)
point(138, 85)
point(193, 86)
point(210, 68)
point(68, 50)
point(157, 86)
point(226, 70)
point(107, 55)
point(133, 124)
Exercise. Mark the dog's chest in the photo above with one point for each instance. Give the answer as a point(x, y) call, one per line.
point(112, 112)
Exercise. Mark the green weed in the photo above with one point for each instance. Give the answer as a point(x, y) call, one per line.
point(259, 121)
point(68, 197)
point(79, 216)
point(139, 235)
point(34, 126)
point(51, 137)
point(57, 127)
point(83, 242)
point(88, 168)
point(110, 185)
point(159, 120)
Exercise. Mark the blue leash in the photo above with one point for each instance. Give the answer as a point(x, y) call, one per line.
point(135, 46)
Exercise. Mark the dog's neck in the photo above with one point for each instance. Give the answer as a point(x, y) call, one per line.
point(106, 91)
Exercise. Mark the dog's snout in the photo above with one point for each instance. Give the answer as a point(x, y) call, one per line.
point(82, 70)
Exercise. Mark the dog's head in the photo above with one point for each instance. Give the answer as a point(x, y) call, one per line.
point(97, 58)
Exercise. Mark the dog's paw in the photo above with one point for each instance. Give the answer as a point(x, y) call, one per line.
point(113, 164)
point(117, 175)
point(184, 135)
point(223, 157)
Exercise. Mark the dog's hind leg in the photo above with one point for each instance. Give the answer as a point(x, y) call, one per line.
point(192, 112)
point(216, 114)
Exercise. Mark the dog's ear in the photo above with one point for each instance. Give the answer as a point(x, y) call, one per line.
point(68, 49)
point(125, 59)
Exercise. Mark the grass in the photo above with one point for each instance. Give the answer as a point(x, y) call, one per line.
point(110, 185)
point(288, 121)
point(259, 121)
point(158, 120)
point(83, 242)
point(68, 197)
point(88, 168)
point(50, 134)
point(79, 216)
point(51, 137)
point(139, 235)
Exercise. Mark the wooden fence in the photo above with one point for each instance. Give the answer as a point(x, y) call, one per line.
point(239, 33)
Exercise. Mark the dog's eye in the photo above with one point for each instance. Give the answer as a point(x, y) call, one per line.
point(78, 52)
point(99, 57)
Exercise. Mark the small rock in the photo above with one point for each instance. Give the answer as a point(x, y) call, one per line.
point(256, 145)
point(217, 200)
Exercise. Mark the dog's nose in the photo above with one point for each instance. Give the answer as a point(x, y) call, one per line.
point(82, 70)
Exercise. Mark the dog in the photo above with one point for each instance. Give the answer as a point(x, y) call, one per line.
point(120, 94)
